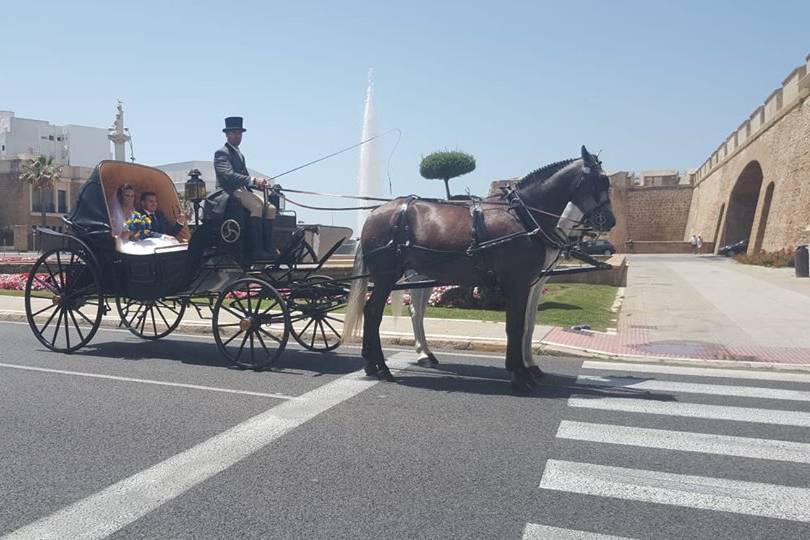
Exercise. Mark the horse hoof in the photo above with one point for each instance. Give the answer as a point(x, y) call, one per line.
point(428, 362)
point(371, 370)
point(385, 375)
point(535, 372)
point(523, 384)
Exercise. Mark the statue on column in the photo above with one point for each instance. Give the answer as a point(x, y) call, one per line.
point(117, 134)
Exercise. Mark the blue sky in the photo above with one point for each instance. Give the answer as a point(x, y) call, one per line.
point(517, 84)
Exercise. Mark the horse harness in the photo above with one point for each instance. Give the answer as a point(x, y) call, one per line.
point(479, 248)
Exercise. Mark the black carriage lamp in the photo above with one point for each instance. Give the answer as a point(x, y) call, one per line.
point(195, 192)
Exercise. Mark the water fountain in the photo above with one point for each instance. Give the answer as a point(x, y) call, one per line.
point(368, 177)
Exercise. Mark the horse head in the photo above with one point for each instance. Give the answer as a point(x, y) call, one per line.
point(591, 194)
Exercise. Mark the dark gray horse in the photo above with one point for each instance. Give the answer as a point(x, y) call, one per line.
point(433, 238)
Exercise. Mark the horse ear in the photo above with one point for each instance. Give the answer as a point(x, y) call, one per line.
point(586, 156)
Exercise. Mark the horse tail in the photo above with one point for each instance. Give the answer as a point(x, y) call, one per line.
point(357, 298)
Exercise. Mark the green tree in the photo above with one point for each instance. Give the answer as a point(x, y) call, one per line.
point(41, 174)
point(446, 165)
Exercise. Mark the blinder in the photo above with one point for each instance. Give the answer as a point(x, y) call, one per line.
point(591, 203)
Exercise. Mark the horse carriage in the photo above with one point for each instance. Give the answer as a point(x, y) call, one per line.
point(253, 305)
point(513, 240)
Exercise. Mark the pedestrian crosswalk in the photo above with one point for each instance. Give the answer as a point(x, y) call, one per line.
point(676, 416)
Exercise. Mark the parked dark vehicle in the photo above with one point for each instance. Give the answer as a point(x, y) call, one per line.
point(598, 247)
point(733, 249)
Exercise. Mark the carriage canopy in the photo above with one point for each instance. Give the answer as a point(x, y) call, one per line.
point(92, 212)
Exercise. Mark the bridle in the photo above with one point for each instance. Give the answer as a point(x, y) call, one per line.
point(592, 202)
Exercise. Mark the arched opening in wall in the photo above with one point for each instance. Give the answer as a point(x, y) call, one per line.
point(717, 240)
point(763, 218)
point(742, 205)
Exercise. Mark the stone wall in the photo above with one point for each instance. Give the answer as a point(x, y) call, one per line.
point(658, 213)
point(776, 140)
point(647, 213)
point(665, 247)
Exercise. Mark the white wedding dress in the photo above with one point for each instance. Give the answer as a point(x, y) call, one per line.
point(146, 246)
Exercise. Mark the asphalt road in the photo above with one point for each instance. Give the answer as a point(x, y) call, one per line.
point(315, 450)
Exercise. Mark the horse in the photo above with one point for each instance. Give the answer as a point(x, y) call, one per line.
point(507, 239)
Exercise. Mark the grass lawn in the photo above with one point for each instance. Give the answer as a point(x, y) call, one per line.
point(566, 304)
point(10, 292)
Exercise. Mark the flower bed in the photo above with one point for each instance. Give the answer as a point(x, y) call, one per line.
point(16, 282)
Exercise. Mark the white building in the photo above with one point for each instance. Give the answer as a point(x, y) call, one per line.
point(79, 146)
point(178, 172)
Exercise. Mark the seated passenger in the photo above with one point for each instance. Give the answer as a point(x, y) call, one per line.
point(160, 225)
point(122, 209)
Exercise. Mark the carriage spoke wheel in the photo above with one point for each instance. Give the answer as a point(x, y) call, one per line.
point(64, 300)
point(316, 325)
point(150, 319)
point(251, 323)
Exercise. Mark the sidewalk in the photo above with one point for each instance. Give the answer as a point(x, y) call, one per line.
point(706, 308)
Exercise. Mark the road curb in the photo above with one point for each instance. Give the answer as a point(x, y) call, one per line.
point(491, 346)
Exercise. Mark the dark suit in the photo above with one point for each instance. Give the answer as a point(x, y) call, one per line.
point(232, 173)
point(162, 225)
point(233, 177)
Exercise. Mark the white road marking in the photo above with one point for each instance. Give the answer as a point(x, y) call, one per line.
point(148, 381)
point(639, 383)
point(534, 531)
point(760, 375)
point(685, 441)
point(751, 498)
point(109, 510)
point(693, 410)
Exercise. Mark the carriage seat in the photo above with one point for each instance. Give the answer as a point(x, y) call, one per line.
point(147, 247)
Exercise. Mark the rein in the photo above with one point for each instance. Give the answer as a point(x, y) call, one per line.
point(362, 198)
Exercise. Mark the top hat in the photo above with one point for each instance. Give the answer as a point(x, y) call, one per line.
point(233, 123)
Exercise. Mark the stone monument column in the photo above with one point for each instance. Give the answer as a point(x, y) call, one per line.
point(117, 135)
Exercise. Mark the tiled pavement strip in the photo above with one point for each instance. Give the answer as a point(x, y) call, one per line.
point(675, 307)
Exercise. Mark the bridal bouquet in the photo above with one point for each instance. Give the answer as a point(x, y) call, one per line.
point(140, 226)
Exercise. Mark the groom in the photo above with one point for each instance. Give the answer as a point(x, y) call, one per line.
point(149, 203)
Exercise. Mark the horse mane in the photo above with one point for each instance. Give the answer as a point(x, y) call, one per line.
point(543, 173)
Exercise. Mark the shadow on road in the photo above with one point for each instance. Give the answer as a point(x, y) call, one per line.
point(203, 353)
point(494, 380)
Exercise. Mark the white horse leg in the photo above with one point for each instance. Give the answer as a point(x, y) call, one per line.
point(530, 320)
point(418, 307)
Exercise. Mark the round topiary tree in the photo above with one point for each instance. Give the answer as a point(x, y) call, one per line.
point(446, 165)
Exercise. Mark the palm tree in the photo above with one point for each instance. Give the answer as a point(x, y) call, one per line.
point(41, 174)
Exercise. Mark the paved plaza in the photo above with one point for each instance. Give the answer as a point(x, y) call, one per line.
point(705, 307)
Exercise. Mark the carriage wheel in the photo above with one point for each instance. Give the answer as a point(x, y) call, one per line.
point(315, 324)
point(64, 301)
point(251, 323)
point(150, 319)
